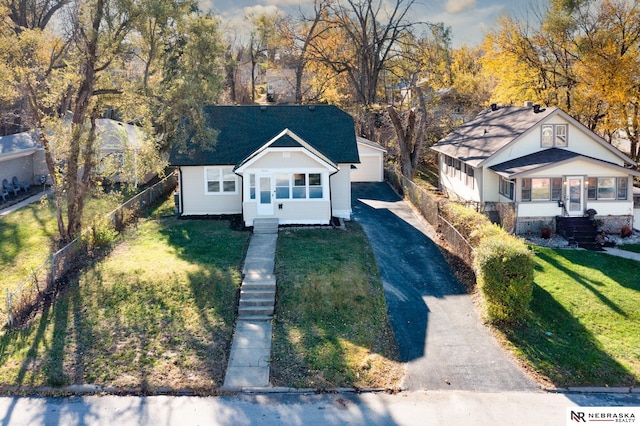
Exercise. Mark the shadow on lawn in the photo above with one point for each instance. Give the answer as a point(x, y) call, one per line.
point(589, 284)
point(561, 348)
point(104, 326)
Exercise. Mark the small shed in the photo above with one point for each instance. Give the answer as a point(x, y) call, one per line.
point(371, 167)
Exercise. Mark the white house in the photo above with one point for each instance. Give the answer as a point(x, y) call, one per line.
point(22, 156)
point(541, 160)
point(291, 162)
point(371, 167)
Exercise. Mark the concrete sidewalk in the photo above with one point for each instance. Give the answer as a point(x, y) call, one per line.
point(250, 356)
point(623, 253)
point(8, 210)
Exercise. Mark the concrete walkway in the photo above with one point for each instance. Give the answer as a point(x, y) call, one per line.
point(623, 253)
point(25, 202)
point(250, 357)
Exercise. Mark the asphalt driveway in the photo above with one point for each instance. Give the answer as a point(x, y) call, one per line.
point(437, 327)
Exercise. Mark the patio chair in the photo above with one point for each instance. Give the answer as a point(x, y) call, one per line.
point(20, 184)
point(4, 194)
point(9, 188)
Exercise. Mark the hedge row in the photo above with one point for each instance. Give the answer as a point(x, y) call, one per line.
point(502, 262)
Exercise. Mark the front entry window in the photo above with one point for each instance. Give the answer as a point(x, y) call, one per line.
point(299, 186)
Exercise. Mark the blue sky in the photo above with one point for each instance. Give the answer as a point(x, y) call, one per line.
point(469, 19)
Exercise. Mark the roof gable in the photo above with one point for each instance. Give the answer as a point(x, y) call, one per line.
point(243, 130)
point(286, 139)
point(494, 130)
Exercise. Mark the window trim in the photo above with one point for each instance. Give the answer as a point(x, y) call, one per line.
point(553, 194)
point(222, 171)
point(595, 189)
point(554, 139)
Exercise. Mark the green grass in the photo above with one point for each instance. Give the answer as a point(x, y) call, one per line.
point(331, 327)
point(585, 318)
point(158, 311)
point(28, 236)
point(630, 247)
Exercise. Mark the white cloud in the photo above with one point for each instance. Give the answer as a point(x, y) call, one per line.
point(457, 6)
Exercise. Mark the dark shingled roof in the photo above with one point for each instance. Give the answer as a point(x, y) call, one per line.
point(545, 158)
point(244, 129)
point(488, 132)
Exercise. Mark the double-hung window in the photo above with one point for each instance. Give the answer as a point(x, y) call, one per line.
point(607, 188)
point(541, 189)
point(220, 180)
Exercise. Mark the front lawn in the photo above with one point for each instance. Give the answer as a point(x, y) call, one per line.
point(29, 234)
point(585, 319)
point(158, 311)
point(331, 327)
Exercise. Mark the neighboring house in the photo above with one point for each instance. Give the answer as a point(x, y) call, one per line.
point(540, 160)
point(22, 156)
point(119, 149)
point(281, 86)
point(371, 167)
point(292, 163)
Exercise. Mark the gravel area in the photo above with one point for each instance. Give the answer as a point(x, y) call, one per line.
point(557, 241)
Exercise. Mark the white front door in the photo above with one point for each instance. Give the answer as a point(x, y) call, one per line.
point(265, 195)
point(575, 195)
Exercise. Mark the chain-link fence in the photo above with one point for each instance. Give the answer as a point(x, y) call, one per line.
point(428, 203)
point(43, 281)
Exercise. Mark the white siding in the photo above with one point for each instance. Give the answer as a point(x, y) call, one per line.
point(371, 167)
point(578, 141)
point(194, 200)
point(456, 185)
point(341, 192)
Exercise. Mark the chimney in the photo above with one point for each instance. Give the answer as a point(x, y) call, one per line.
point(536, 108)
point(528, 104)
point(494, 107)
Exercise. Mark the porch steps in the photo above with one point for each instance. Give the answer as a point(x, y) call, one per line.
point(579, 230)
point(265, 226)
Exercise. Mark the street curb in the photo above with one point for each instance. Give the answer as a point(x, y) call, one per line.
point(594, 389)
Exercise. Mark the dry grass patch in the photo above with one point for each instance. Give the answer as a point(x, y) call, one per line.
point(331, 326)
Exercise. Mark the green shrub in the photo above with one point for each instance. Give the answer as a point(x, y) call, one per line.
point(464, 219)
point(504, 269)
point(101, 234)
point(485, 231)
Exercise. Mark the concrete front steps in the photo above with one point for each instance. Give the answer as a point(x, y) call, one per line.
point(265, 226)
point(257, 299)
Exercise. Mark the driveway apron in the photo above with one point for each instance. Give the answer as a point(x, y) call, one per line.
point(439, 333)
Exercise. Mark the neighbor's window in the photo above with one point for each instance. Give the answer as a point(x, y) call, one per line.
point(541, 189)
point(470, 181)
point(506, 188)
point(607, 188)
point(622, 188)
point(554, 135)
point(220, 180)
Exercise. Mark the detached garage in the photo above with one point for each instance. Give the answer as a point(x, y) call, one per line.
point(371, 167)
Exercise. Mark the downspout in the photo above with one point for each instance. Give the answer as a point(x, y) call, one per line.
point(181, 196)
point(331, 194)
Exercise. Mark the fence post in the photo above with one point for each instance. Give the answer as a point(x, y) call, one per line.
point(53, 269)
point(9, 308)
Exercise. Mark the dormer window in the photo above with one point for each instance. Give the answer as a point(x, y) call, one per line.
point(553, 135)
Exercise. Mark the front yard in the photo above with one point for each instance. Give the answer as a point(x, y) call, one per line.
point(583, 330)
point(159, 312)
